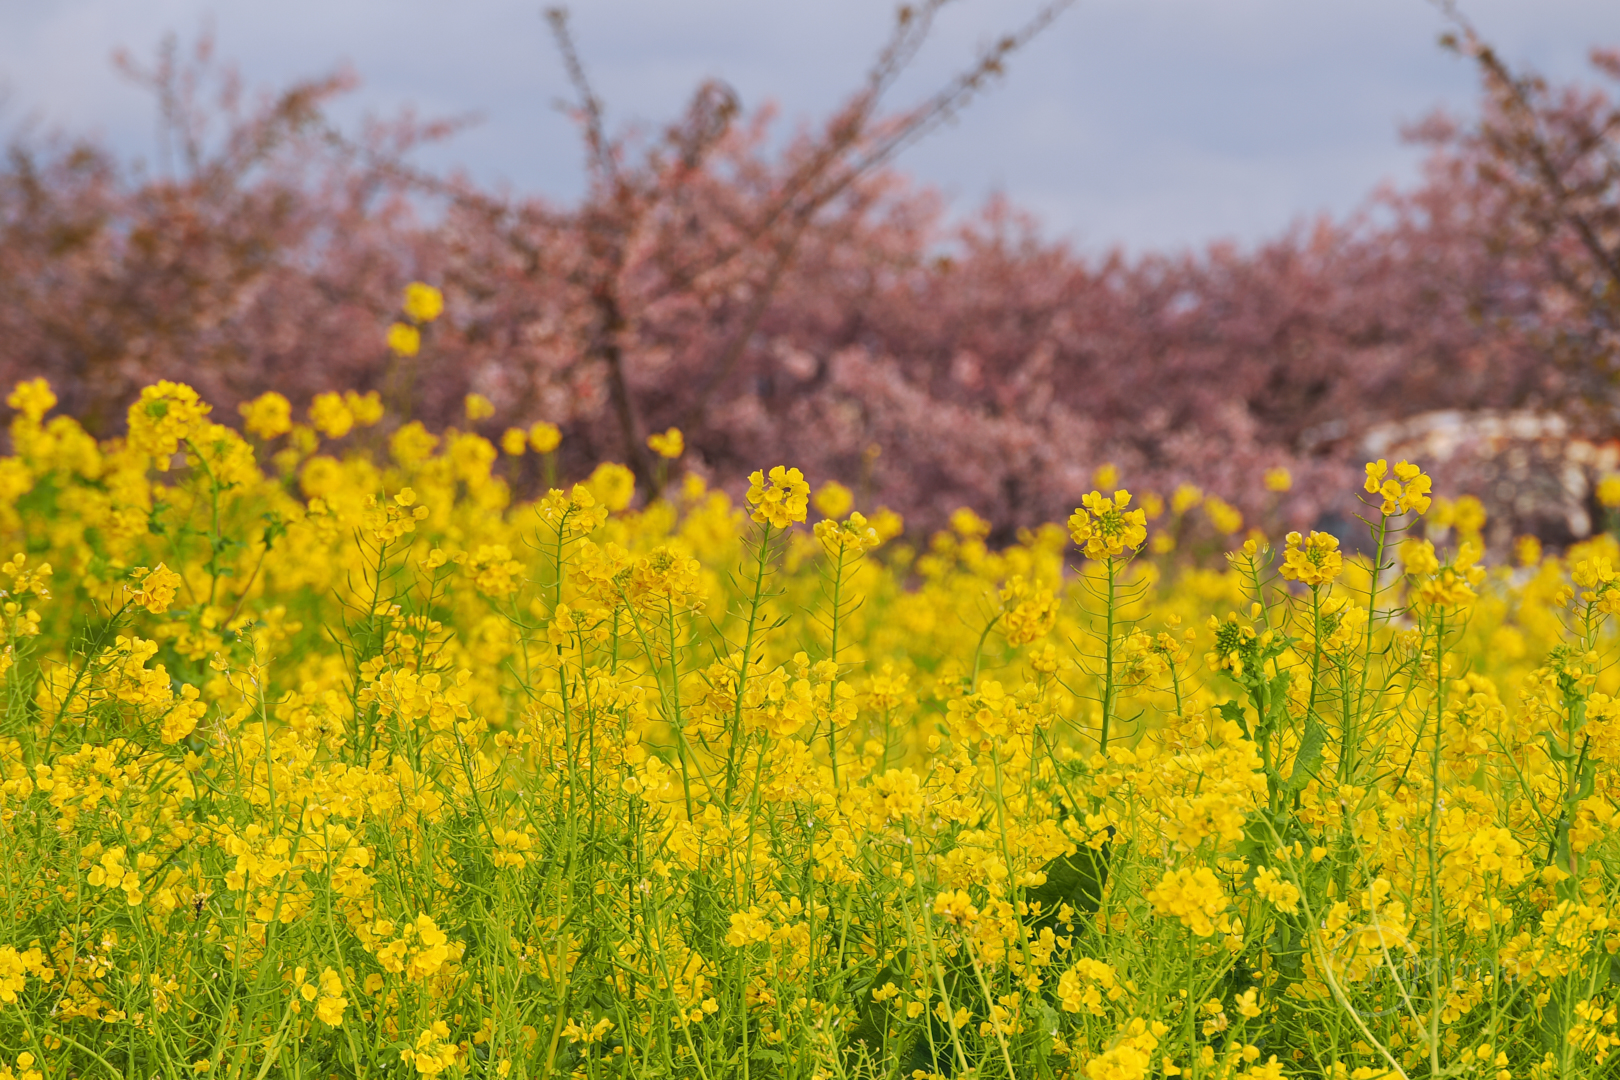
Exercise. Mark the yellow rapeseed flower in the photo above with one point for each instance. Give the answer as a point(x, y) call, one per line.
point(853, 536)
point(1418, 558)
point(968, 525)
point(423, 303)
point(24, 580)
point(1226, 518)
point(331, 416)
point(366, 408)
point(671, 444)
point(434, 1051)
point(1312, 560)
point(392, 705)
point(1194, 896)
point(1407, 489)
point(887, 524)
point(833, 500)
point(1446, 586)
point(956, 907)
point(404, 339)
point(1029, 611)
point(165, 415)
point(1468, 516)
point(1527, 550)
point(1104, 528)
point(780, 499)
point(613, 485)
point(478, 407)
point(544, 437)
point(1281, 893)
point(329, 1009)
point(747, 928)
point(267, 416)
point(492, 569)
point(33, 398)
point(156, 588)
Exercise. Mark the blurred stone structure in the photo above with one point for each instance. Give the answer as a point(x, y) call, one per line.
point(1533, 474)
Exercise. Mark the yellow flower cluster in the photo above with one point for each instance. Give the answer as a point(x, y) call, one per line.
point(335, 415)
point(156, 589)
point(330, 763)
point(544, 437)
point(166, 414)
point(1193, 896)
point(671, 444)
point(32, 399)
point(780, 499)
point(422, 304)
point(1104, 528)
point(268, 416)
point(1313, 560)
point(1407, 489)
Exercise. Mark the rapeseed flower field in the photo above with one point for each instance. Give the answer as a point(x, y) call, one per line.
point(349, 764)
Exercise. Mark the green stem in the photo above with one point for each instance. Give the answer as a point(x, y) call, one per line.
point(760, 562)
point(1110, 689)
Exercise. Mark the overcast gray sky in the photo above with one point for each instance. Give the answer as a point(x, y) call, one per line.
point(1149, 123)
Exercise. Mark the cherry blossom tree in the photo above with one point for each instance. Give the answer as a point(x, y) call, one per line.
point(802, 301)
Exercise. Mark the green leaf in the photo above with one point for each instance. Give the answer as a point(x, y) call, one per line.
point(1588, 782)
point(1076, 880)
point(1233, 711)
point(1279, 689)
point(1272, 706)
point(1263, 832)
point(874, 1018)
point(1309, 758)
point(1557, 752)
